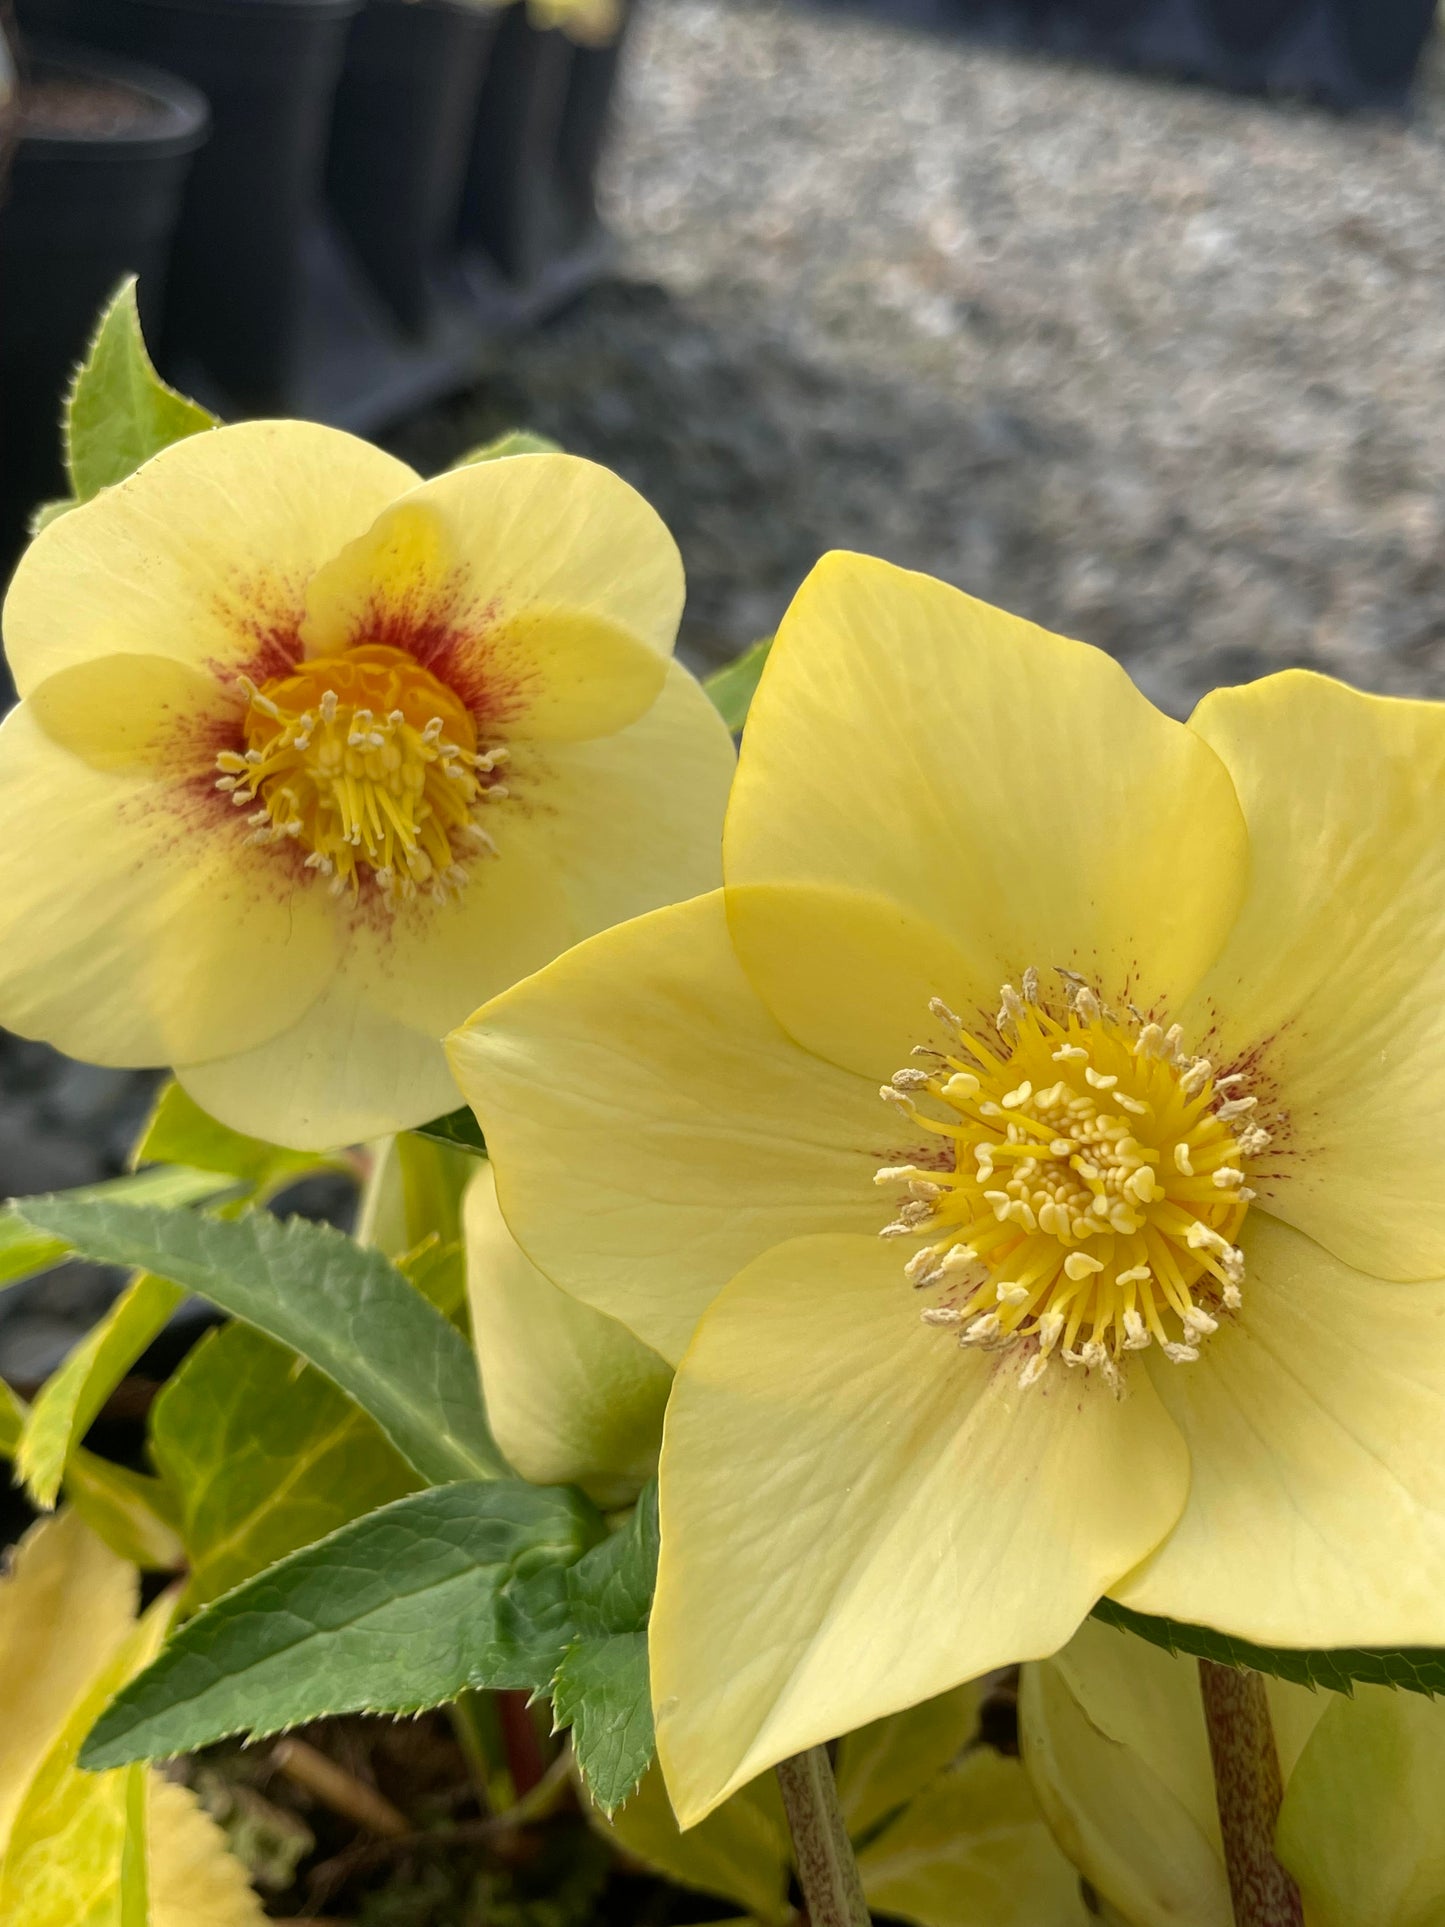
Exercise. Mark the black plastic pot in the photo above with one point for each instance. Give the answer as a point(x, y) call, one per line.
point(1249, 26)
point(80, 210)
point(269, 69)
point(511, 204)
point(588, 110)
point(400, 139)
point(1383, 42)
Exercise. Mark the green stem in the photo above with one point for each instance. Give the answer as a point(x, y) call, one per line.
point(1249, 1790)
point(827, 1870)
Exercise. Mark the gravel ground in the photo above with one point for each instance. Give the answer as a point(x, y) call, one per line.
point(1156, 367)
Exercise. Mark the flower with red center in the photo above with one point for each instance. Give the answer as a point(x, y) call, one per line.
point(313, 757)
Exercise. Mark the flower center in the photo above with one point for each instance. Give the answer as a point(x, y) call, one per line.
point(371, 763)
point(1082, 1184)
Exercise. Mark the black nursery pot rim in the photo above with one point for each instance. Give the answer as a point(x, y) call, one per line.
point(181, 124)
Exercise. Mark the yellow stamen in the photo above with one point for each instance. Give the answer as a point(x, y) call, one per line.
point(1096, 1189)
point(371, 764)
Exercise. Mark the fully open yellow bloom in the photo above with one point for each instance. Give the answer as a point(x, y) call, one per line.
point(313, 757)
point(1158, 1016)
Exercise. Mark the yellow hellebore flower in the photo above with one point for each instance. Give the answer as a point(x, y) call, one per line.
point(1131, 1281)
point(314, 756)
point(69, 1640)
point(1114, 1742)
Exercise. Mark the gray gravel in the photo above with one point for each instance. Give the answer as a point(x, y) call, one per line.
point(1154, 366)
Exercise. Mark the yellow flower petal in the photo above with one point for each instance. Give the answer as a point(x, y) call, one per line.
point(1331, 989)
point(1360, 1826)
point(203, 555)
point(543, 590)
point(653, 1128)
point(1007, 786)
point(627, 822)
point(137, 715)
point(1316, 1514)
point(572, 1396)
point(973, 1851)
point(66, 1606)
point(850, 974)
point(135, 926)
point(345, 1071)
point(856, 1515)
point(194, 1879)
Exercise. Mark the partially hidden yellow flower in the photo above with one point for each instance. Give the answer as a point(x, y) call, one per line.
point(69, 1640)
point(1157, 1012)
point(313, 757)
point(1115, 1745)
point(948, 1832)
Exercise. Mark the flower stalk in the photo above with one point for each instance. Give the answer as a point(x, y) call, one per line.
point(827, 1870)
point(1249, 1791)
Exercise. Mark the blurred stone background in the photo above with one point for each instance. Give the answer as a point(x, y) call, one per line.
point(1158, 367)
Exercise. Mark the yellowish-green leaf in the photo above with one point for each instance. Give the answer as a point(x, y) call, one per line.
point(67, 1606)
point(972, 1850)
point(62, 1865)
point(135, 1906)
point(882, 1766)
point(178, 1131)
point(134, 1514)
point(733, 687)
point(517, 441)
point(120, 412)
point(438, 1269)
point(25, 1251)
point(71, 1398)
point(265, 1455)
point(740, 1852)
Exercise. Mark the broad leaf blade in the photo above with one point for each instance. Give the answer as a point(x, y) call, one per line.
point(517, 441)
point(120, 412)
point(1415, 1669)
point(733, 687)
point(265, 1456)
point(392, 1614)
point(70, 1399)
point(342, 1306)
point(24, 1251)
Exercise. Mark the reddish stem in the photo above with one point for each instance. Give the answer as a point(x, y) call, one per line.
point(522, 1742)
point(1249, 1790)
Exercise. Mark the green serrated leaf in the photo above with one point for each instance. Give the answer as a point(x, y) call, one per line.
point(733, 687)
point(120, 412)
point(1415, 1669)
point(343, 1307)
point(72, 1397)
point(601, 1692)
point(517, 441)
point(459, 1128)
point(24, 1251)
point(47, 512)
point(393, 1614)
point(600, 1687)
point(178, 1131)
point(265, 1456)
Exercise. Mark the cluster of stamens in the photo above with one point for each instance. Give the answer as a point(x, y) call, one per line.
point(372, 764)
point(1079, 1185)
